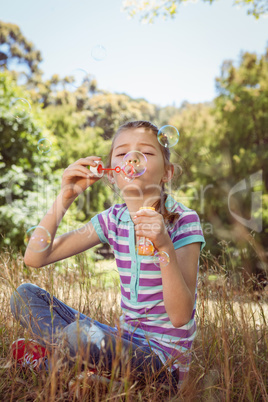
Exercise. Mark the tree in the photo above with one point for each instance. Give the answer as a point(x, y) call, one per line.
point(165, 114)
point(61, 91)
point(26, 188)
point(109, 111)
point(148, 10)
point(76, 140)
point(15, 48)
point(226, 144)
point(242, 111)
point(30, 179)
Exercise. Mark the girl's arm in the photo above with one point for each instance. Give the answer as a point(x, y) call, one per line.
point(76, 179)
point(179, 281)
point(180, 275)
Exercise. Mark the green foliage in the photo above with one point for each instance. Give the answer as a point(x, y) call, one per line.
point(59, 91)
point(20, 134)
point(221, 143)
point(148, 11)
point(109, 111)
point(17, 48)
point(24, 170)
point(78, 140)
point(242, 116)
point(224, 143)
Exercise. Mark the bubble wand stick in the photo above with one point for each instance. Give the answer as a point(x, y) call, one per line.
point(99, 169)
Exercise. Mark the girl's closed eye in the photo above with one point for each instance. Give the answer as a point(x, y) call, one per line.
point(145, 153)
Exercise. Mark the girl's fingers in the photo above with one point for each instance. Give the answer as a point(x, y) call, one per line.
point(90, 160)
point(79, 168)
point(149, 216)
point(78, 173)
point(146, 219)
point(148, 228)
point(146, 212)
point(84, 169)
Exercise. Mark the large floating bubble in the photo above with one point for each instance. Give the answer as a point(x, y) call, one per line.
point(37, 238)
point(133, 165)
point(20, 109)
point(80, 77)
point(98, 52)
point(44, 145)
point(168, 136)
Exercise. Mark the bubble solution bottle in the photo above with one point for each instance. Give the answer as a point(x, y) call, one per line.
point(144, 245)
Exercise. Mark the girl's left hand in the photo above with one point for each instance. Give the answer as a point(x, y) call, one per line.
point(151, 224)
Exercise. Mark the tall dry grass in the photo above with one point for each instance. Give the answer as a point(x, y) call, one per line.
point(230, 352)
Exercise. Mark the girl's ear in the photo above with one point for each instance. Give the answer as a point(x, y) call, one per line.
point(168, 174)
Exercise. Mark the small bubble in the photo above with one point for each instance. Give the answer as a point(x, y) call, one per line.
point(161, 257)
point(80, 78)
point(20, 109)
point(98, 52)
point(168, 136)
point(44, 145)
point(37, 239)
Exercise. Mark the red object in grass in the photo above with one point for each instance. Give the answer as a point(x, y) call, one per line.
point(28, 353)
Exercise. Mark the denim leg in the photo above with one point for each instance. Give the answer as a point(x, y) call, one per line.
point(38, 311)
point(103, 346)
point(53, 321)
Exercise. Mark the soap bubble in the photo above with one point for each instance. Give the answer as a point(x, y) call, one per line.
point(145, 247)
point(168, 136)
point(81, 77)
point(44, 145)
point(133, 165)
point(161, 257)
point(98, 52)
point(37, 238)
point(20, 109)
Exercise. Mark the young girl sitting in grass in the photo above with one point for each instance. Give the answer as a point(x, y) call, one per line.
point(158, 301)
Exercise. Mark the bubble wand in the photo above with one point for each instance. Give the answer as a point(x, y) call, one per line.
point(133, 165)
point(99, 169)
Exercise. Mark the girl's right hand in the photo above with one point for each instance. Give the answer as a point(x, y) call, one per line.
point(77, 177)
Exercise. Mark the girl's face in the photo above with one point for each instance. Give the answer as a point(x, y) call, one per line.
point(145, 141)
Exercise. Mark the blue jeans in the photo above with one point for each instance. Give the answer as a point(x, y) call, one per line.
point(54, 323)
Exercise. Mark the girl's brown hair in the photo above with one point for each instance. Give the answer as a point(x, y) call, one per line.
point(169, 217)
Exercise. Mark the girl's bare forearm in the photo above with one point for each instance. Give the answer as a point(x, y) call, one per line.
point(177, 296)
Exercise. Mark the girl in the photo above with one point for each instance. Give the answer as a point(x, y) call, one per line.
point(158, 302)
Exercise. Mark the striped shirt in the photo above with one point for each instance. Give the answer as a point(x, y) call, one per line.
point(144, 314)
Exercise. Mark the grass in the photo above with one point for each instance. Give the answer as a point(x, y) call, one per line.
point(230, 351)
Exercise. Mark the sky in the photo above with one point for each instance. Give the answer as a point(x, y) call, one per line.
point(166, 63)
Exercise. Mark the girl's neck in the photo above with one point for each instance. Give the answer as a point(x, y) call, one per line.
point(135, 203)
